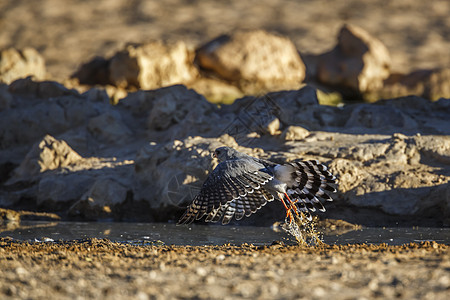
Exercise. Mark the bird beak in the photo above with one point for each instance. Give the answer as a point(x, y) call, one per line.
point(214, 155)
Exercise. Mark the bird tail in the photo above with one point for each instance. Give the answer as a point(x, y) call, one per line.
point(310, 184)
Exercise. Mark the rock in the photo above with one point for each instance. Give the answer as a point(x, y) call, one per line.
point(58, 190)
point(359, 62)
point(8, 215)
point(294, 133)
point(216, 91)
point(447, 206)
point(84, 189)
point(39, 89)
point(151, 65)
point(430, 84)
point(252, 114)
point(109, 127)
point(40, 108)
point(96, 71)
point(174, 112)
point(12, 216)
point(431, 118)
point(47, 154)
point(15, 64)
point(256, 60)
point(434, 148)
point(6, 98)
point(100, 201)
point(146, 157)
point(370, 116)
point(272, 127)
point(372, 174)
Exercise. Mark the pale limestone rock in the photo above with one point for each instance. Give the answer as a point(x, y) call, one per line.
point(430, 84)
point(359, 61)
point(272, 127)
point(181, 112)
point(15, 64)
point(152, 65)
point(294, 133)
point(216, 91)
point(47, 154)
point(254, 59)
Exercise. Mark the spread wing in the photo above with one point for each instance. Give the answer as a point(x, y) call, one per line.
point(234, 188)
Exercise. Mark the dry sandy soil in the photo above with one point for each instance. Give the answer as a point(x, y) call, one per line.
point(70, 32)
point(102, 269)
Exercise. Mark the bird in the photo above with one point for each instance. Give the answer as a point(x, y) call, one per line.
point(241, 184)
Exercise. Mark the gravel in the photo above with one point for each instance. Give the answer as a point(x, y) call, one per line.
point(99, 268)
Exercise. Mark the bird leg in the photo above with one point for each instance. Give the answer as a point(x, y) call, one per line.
point(288, 210)
point(292, 204)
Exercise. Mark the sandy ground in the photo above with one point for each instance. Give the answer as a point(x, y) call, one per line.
point(102, 269)
point(71, 32)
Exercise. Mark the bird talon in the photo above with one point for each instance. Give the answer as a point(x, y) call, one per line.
point(292, 205)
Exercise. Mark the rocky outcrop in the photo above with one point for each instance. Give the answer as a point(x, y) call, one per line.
point(47, 154)
point(101, 201)
point(152, 65)
point(429, 84)
point(358, 62)
point(256, 60)
point(79, 155)
point(15, 64)
point(142, 66)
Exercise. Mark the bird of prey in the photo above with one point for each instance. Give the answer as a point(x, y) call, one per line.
point(242, 184)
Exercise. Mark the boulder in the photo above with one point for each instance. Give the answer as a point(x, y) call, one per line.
point(40, 108)
point(358, 62)
point(395, 176)
point(47, 154)
point(96, 71)
point(59, 190)
point(294, 133)
point(101, 201)
point(377, 116)
point(15, 64)
point(173, 112)
point(216, 91)
point(256, 60)
point(253, 114)
point(39, 89)
point(152, 65)
point(6, 98)
point(109, 128)
point(430, 84)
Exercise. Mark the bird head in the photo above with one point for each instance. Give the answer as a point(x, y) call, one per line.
point(225, 153)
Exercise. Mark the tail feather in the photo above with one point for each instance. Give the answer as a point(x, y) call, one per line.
point(311, 181)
